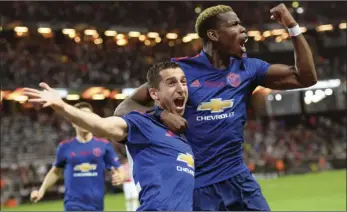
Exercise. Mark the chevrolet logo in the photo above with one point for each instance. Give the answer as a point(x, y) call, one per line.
point(85, 167)
point(216, 105)
point(187, 158)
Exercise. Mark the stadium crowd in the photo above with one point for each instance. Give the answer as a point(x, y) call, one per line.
point(180, 14)
point(62, 62)
point(65, 63)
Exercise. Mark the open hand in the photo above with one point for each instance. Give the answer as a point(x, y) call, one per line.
point(47, 97)
point(118, 176)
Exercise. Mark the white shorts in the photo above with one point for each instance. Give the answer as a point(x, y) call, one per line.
point(130, 191)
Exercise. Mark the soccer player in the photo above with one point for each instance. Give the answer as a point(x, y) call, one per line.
point(83, 161)
point(163, 168)
point(220, 81)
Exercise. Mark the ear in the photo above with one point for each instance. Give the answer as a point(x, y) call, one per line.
point(212, 35)
point(153, 92)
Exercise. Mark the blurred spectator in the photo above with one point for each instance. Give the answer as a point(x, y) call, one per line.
point(62, 62)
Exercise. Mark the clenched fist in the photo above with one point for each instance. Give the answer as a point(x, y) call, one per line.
point(281, 14)
point(36, 196)
point(174, 122)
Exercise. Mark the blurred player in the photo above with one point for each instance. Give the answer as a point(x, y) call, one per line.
point(129, 188)
point(83, 161)
point(163, 168)
point(220, 81)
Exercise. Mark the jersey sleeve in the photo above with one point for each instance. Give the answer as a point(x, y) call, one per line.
point(60, 160)
point(139, 128)
point(111, 158)
point(261, 68)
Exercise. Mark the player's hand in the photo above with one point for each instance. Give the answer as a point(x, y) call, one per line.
point(47, 97)
point(281, 14)
point(36, 196)
point(174, 122)
point(118, 176)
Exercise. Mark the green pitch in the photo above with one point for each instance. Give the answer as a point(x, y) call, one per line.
point(314, 192)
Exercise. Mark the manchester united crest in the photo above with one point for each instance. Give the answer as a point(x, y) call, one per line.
point(97, 152)
point(234, 80)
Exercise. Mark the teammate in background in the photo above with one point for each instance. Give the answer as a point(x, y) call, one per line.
point(220, 81)
point(130, 192)
point(163, 168)
point(83, 161)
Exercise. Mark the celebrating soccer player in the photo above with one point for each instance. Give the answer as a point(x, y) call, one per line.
point(83, 161)
point(163, 168)
point(220, 81)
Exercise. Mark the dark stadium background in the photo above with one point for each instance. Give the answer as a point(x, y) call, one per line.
point(101, 51)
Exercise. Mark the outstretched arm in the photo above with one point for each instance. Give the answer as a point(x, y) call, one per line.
point(303, 74)
point(113, 127)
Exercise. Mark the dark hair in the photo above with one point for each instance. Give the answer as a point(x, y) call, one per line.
point(81, 105)
point(153, 74)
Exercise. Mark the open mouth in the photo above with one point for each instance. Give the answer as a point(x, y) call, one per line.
point(242, 43)
point(179, 103)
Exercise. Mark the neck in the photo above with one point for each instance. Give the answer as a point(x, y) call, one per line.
point(157, 103)
point(84, 137)
point(218, 59)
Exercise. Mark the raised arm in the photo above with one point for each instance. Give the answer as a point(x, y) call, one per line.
point(140, 100)
point(303, 73)
point(113, 127)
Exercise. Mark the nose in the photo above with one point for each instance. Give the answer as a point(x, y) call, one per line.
point(243, 29)
point(180, 87)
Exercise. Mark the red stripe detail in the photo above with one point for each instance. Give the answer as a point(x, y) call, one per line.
point(198, 55)
point(182, 58)
point(66, 141)
point(138, 112)
point(101, 140)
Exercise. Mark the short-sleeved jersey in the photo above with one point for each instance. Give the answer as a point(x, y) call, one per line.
point(216, 113)
point(163, 164)
point(84, 167)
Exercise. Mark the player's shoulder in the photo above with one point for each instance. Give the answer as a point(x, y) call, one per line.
point(101, 140)
point(253, 60)
point(136, 114)
point(184, 59)
point(66, 141)
point(141, 119)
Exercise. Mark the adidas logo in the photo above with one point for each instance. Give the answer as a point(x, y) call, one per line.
point(196, 84)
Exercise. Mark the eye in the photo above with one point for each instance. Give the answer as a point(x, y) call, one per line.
point(236, 23)
point(171, 83)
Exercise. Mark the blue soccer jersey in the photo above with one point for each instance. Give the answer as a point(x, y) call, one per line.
point(163, 164)
point(84, 167)
point(216, 113)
